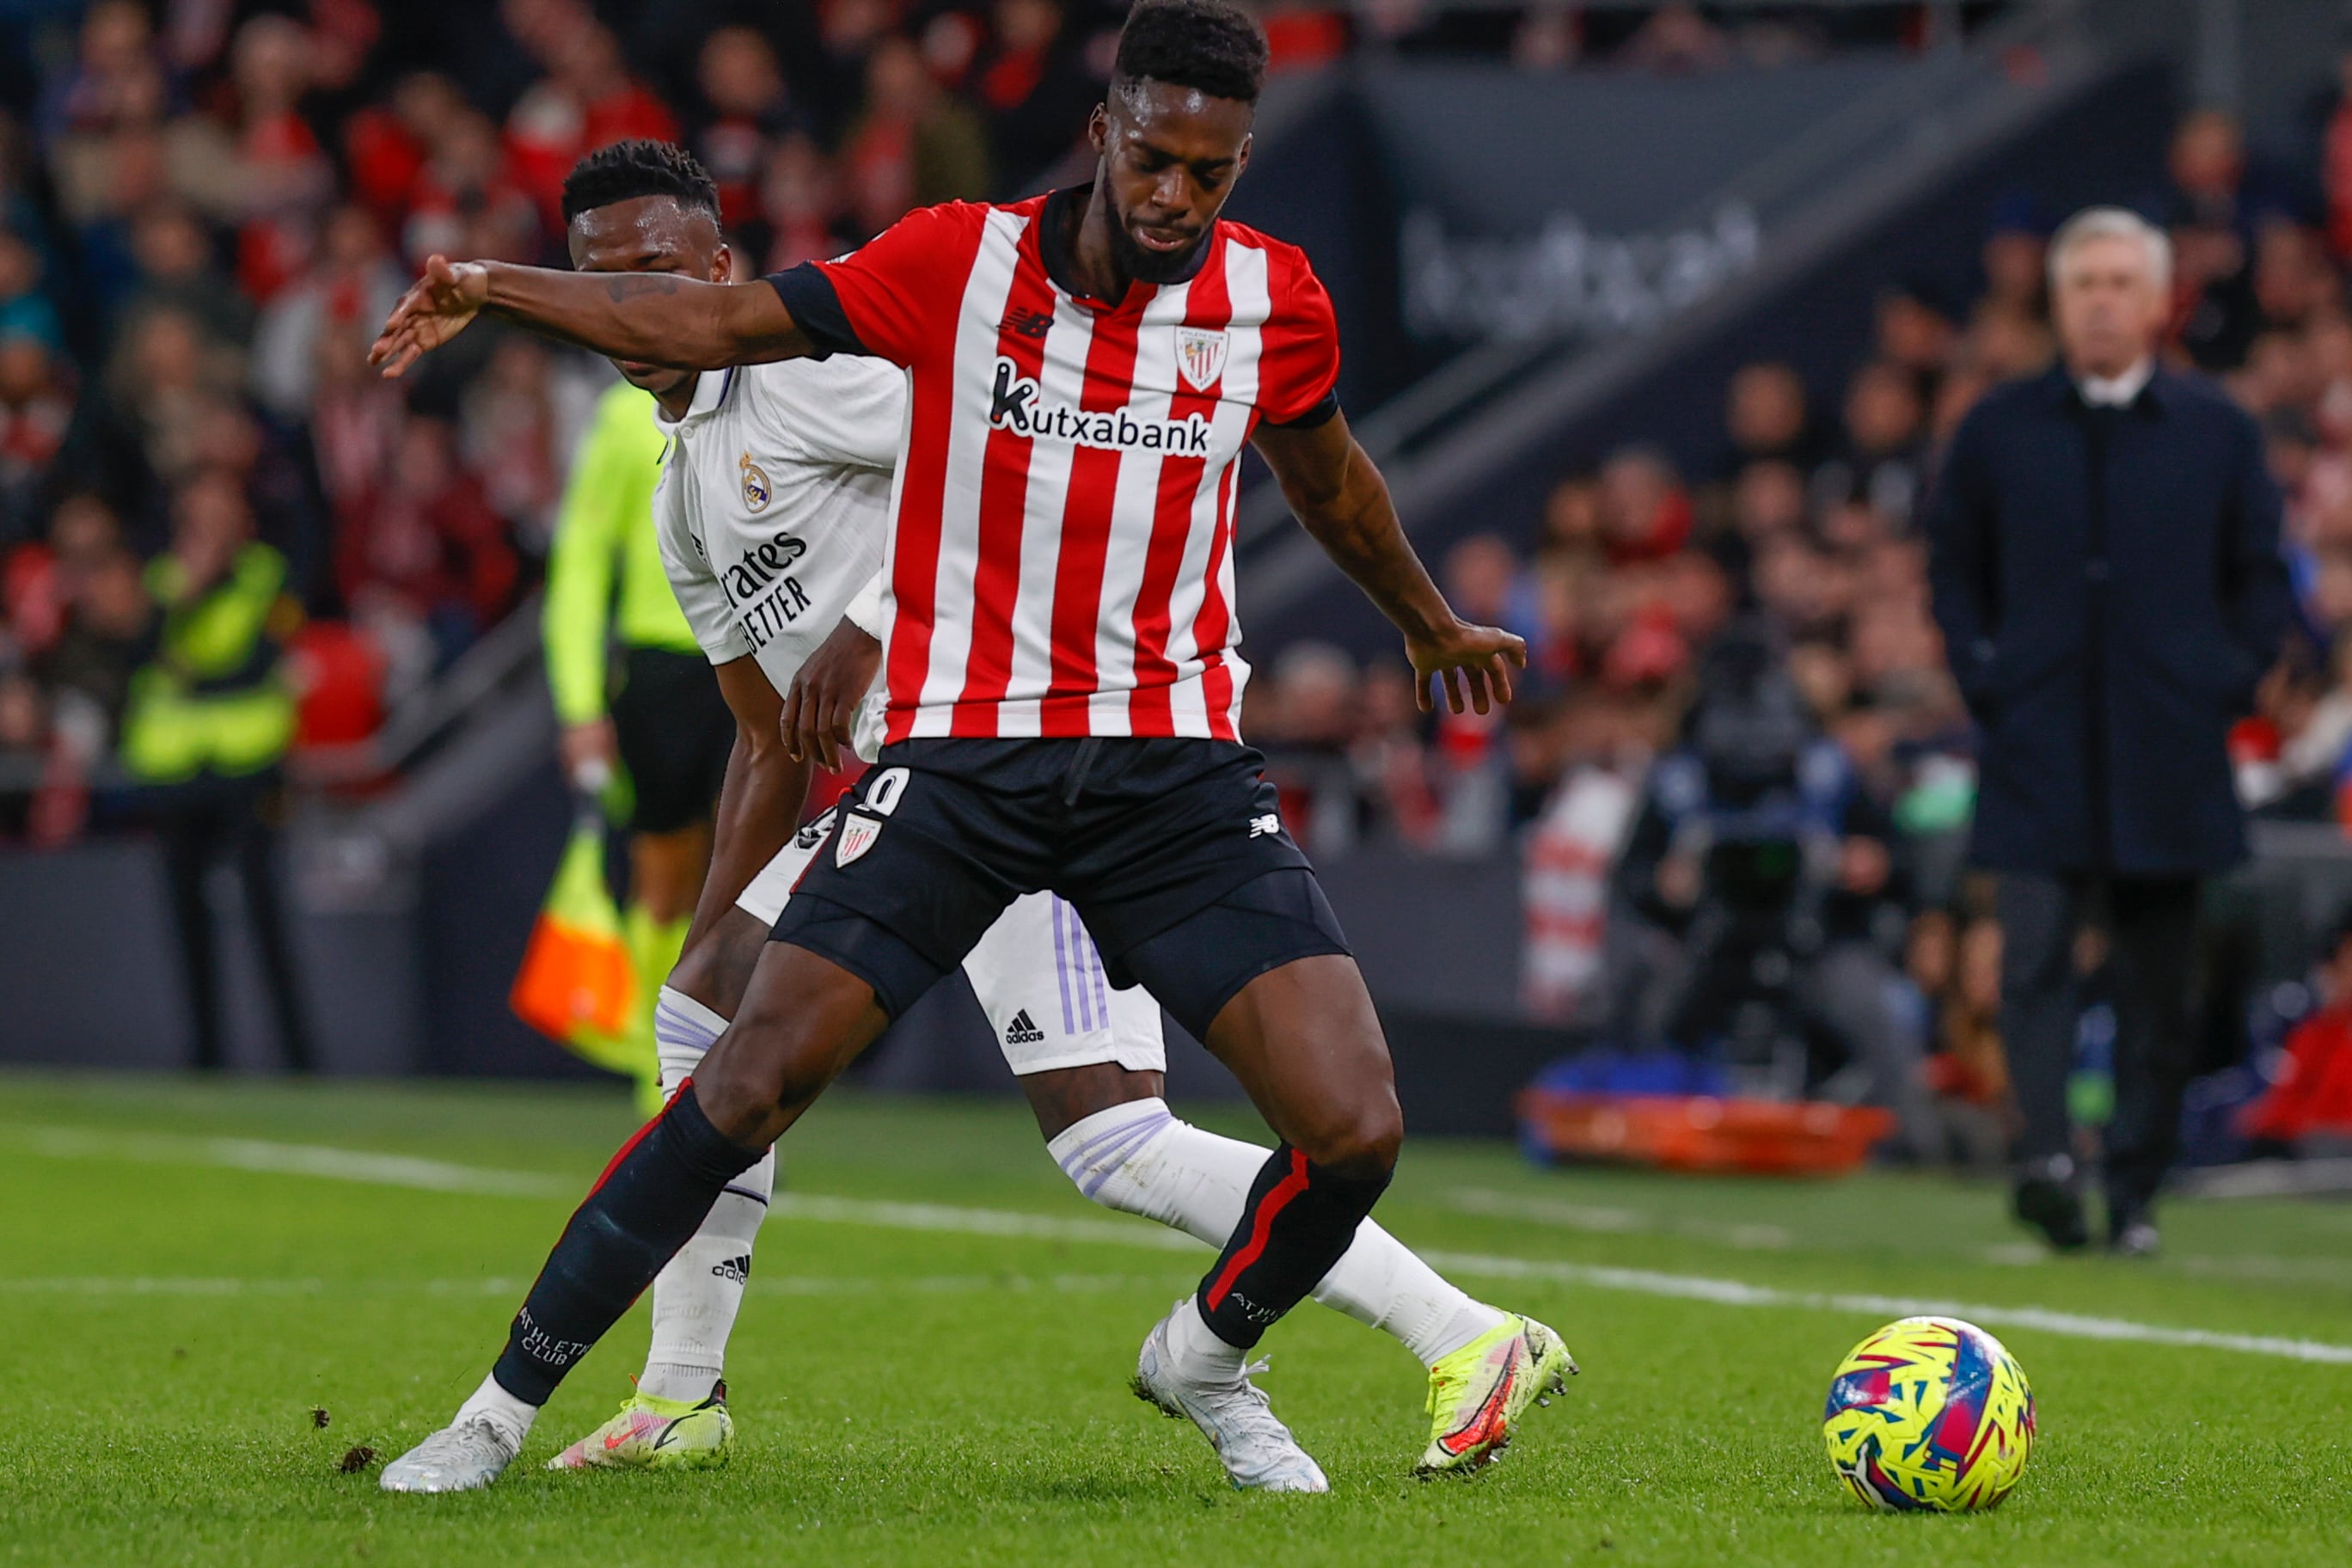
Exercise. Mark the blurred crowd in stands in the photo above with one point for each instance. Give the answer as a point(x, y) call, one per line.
point(1805, 524)
point(207, 207)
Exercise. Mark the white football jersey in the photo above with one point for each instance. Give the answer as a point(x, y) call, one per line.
point(773, 506)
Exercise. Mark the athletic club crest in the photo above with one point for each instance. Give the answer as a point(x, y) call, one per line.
point(858, 833)
point(755, 483)
point(1200, 356)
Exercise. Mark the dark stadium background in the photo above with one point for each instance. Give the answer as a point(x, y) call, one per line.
point(1559, 237)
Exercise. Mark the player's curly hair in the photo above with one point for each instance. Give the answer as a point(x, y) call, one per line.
point(1210, 46)
point(627, 170)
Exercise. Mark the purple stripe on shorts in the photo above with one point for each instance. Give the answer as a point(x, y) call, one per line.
point(1062, 966)
point(1102, 981)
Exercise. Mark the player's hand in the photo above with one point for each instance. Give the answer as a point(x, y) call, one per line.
point(436, 307)
point(821, 710)
point(1474, 662)
point(590, 751)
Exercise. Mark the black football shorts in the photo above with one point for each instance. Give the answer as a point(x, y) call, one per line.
point(1172, 852)
point(675, 733)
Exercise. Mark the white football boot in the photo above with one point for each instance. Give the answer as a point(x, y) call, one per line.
point(462, 1457)
point(1258, 1452)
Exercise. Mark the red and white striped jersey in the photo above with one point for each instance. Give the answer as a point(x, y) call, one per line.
point(1061, 554)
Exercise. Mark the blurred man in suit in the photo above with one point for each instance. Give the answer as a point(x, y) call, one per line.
point(2106, 572)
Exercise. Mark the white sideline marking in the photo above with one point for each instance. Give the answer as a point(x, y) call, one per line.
point(802, 1285)
point(1613, 1221)
point(400, 1170)
point(294, 1160)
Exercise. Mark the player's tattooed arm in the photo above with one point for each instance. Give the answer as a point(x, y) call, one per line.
point(1341, 500)
point(656, 318)
point(759, 804)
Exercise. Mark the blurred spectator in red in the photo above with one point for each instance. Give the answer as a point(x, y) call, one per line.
point(468, 200)
point(387, 145)
point(913, 146)
point(1311, 732)
point(748, 110)
point(37, 405)
point(1304, 35)
point(283, 177)
point(1390, 757)
point(509, 438)
point(355, 418)
point(1034, 91)
point(2335, 162)
point(1645, 513)
point(587, 101)
point(2309, 1101)
point(1967, 1071)
point(422, 559)
point(350, 285)
point(1569, 848)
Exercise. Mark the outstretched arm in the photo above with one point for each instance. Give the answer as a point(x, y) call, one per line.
point(656, 318)
point(1341, 498)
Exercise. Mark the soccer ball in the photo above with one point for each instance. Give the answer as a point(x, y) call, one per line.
point(1929, 1412)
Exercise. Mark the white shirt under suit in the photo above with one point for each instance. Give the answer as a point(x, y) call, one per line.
point(773, 512)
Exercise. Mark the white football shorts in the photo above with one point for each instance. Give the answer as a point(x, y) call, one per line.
point(1036, 971)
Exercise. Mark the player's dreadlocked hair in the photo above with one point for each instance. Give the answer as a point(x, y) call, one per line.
point(627, 170)
point(1210, 46)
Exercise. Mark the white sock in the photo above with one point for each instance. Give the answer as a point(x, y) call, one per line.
point(502, 1410)
point(1199, 1355)
point(699, 1293)
point(1139, 1159)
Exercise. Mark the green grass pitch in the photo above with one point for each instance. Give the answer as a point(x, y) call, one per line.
point(187, 1272)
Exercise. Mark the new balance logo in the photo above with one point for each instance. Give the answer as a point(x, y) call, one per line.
point(1265, 826)
point(1023, 1030)
point(1026, 323)
point(736, 1268)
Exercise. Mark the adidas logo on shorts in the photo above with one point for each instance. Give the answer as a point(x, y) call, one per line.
point(1023, 1030)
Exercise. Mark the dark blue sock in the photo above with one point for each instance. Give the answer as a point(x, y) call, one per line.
point(651, 1199)
point(1299, 1218)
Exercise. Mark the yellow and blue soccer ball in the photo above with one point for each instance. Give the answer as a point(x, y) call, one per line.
point(1929, 1414)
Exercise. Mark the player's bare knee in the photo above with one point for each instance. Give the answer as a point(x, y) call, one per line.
point(1359, 1140)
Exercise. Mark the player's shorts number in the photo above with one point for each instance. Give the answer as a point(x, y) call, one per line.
point(882, 796)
